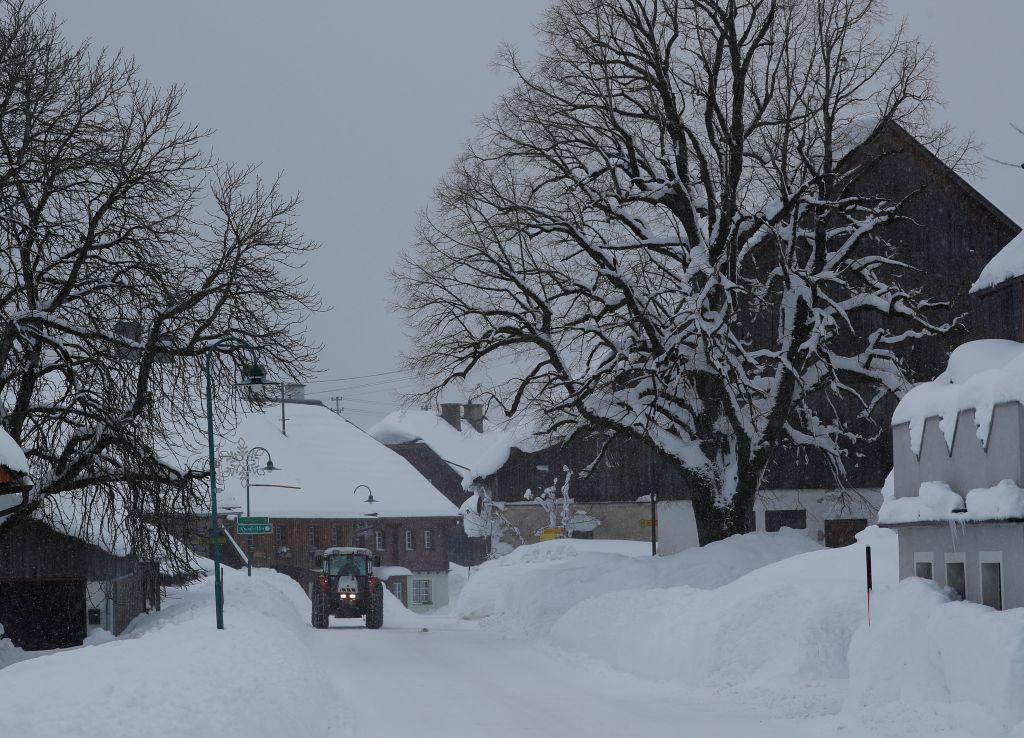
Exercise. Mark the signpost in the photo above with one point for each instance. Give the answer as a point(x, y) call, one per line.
point(242, 520)
point(254, 526)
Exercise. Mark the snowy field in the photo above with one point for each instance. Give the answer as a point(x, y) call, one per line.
point(761, 635)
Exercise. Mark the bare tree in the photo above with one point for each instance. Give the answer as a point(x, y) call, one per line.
point(127, 253)
point(661, 223)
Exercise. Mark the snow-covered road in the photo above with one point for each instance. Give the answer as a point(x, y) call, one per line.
point(457, 679)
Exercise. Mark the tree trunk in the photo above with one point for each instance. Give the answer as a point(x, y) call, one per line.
point(716, 522)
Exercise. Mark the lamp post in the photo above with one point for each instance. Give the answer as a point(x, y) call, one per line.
point(255, 376)
point(247, 467)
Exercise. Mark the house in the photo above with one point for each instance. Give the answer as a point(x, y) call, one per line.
point(951, 233)
point(57, 588)
point(451, 449)
point(337, 486)
point(458, 447)
point(956, 496)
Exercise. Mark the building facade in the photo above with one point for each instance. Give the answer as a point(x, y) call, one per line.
point(410, 554)
point(335, 485)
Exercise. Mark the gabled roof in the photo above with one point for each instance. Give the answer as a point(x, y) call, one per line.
point(329, 458)
point(904, 137)
point(470, 453)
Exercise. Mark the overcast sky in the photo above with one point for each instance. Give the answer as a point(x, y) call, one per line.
point(362, 105)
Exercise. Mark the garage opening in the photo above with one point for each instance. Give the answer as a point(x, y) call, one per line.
point(42, 614)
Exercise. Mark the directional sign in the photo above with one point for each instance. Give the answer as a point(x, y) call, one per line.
point(260, 529)
point(253, 521)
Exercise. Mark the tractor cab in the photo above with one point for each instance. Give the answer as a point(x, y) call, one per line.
point(346, 587)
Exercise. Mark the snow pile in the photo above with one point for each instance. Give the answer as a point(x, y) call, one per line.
point(936, 501)
point(526, 592)
point(470, 453)
point(979, 376)
point(175, 674)
point(785, 624)
point(1005, 501)
point(926, 655)
point(1007, 264)
point(328, 457)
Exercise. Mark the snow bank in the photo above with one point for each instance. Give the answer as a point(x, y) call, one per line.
point(979, 376)
point(526, 592)
point(774, 625)
point(936, 501)
point(175, 674)
point(1007, 264)
point(785, 624)
point(924, 654)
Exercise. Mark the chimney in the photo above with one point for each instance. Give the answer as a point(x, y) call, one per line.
point(473, 412)
point(451, 413)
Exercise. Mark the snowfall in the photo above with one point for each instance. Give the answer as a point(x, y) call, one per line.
point(758, 635)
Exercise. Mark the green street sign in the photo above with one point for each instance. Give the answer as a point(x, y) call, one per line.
point(253, 521)
point(259, 529)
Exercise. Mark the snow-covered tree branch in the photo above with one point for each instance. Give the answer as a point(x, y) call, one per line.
point(664, 223)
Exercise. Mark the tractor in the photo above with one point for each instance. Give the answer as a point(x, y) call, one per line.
point(345, 587)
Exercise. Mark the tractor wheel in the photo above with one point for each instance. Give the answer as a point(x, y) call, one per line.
point(375, 611)
point(321, 609)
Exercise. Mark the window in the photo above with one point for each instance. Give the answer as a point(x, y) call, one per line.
point(776, 519)
point(313, 536)
point(956, 577)
point(335, 535)
point(991, 579)
point(396, 589)
point(924, 566)
point(428, 539)
point(380, 540)
point(421, 592)
point(408, 540)
point(279, 535)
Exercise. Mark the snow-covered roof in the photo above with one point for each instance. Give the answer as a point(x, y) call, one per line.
point(11, 454)
point(979, 376)
point(328, 458)
point(470, 453)
point(1007, 264)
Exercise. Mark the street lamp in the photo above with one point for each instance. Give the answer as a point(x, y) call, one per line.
point(369, 499)
point(255, 375)
point(247, 467)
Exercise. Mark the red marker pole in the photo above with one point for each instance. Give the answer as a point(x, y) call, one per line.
point(867, 563)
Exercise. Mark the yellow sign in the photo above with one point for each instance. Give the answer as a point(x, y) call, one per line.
point(551, 534)
point(647, 522)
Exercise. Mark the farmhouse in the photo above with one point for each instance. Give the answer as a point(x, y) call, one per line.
point(337, 486)
point(459, 447)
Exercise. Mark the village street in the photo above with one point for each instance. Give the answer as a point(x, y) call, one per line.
point(458, 679)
